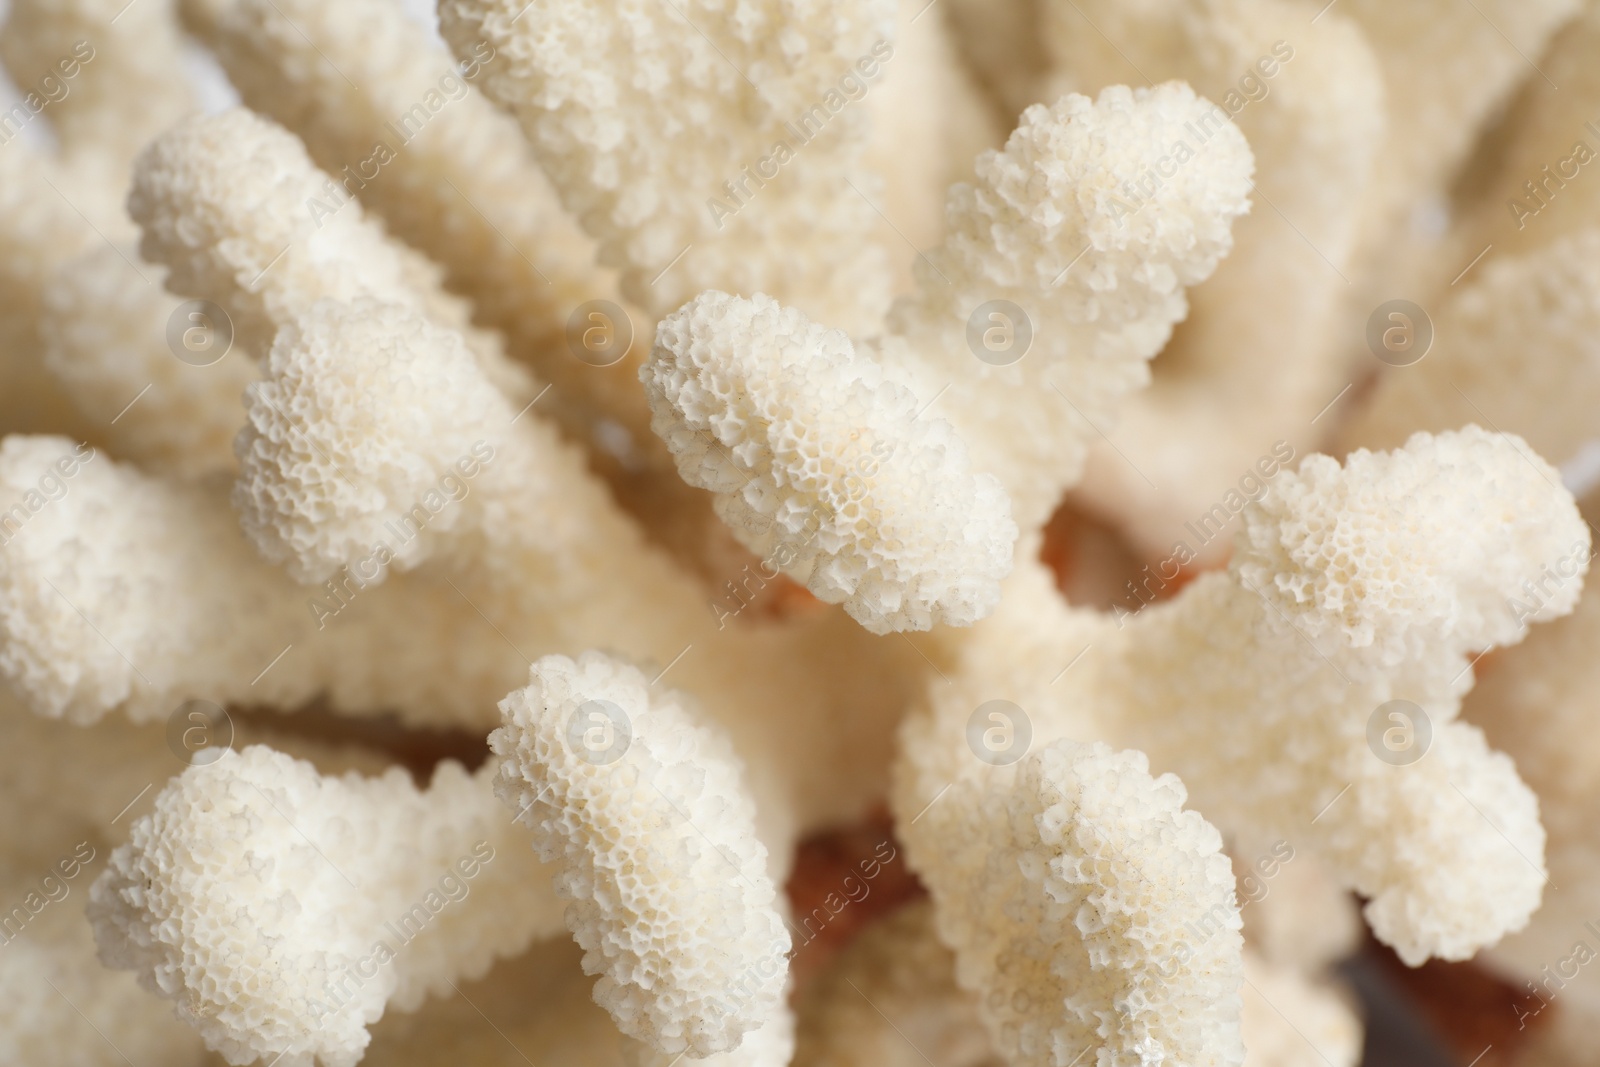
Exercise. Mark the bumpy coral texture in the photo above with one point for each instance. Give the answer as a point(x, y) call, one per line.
point(79, 576)
point(1100, 278)
point(1090, 912)
point(327, 473)
point(344, 894)
point(221, 200)
point(105, 338)
point(458, 181)
point(48, 860)
point(644, 811)
point(487, 495)
point(414, 521)
point(226, 203)
point(1339, 610)
point(607, 98)
point(1393, 613)
point(825, 467)
point(1261, 351)
point(453, 177)
point(1324, 548)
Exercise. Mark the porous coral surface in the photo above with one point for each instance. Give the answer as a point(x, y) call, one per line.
point(488, 490)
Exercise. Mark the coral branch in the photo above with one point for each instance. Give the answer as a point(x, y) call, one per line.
point(346, 894)
point(1099, 277)
point(822, 466)
point(612, 102)
point(1068, 889)
point(654, 833)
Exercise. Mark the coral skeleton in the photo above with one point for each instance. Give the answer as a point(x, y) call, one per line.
point(283, 837)
point(620, 812)
point(488, 494)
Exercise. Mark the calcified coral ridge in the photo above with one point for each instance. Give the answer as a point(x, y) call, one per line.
point(511, 474)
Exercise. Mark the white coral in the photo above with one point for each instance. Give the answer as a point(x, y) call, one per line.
point(1072, 892)
point(1327, 614)
point(608, 99)
point(823, 466)
point(644, 811)
point(1055, 224)
point(342, 899)
point(864, 429)
point(324, 469)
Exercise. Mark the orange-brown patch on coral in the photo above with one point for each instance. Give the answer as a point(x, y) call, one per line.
point(843, 879)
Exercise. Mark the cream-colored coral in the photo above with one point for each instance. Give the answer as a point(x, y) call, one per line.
point(1452, 70)
point(346, 894)
point(1519, 205)
point(1099, 279)
point(109, 68)
point(314, 434)
point(1069, 889)
point(1257, 358)
point(643, 810)
point(398, 126)
point(1542, 301)
point(59, 1002)
point(540, 1010)
point(1296, 914)
point(226, 203)
point(414, 521)
point(605, 97)
point(1537, 703)
point(893, 994)
point(79, 571)
point(1326, 615)
point(1291, 1021)
point(377, 436)
point(39, 231)
point(1002, 45)
point(1452, 67)
point(106, 340)
point(48, 860)
point(928, 122)
point(1509, 292)
point(1358, 611)
point(74, 63)
point(824, 467)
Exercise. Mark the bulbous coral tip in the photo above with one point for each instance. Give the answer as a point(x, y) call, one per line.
point(185, 185)
point(645, 811)
point(365, 408)
point(1325, 548)
point(890, 454)
point(1088, 911)
point(1114, 178)
point(345, 895)
point(1091, 221)
point(826, 466)
point(153, 913)
point(1159, 168)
